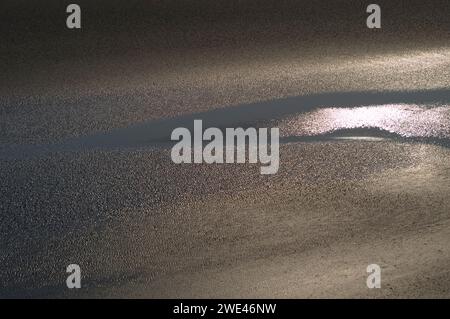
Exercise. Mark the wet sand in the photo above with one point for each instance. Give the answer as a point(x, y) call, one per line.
point(86, 175)
point(141, 226)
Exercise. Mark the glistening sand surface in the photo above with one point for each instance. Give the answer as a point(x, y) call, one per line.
point(82, 182)
point(141, 226)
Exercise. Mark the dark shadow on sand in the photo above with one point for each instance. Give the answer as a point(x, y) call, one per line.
point(157, 132)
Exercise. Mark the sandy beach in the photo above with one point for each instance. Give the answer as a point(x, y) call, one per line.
point(309, 231)
point(87, 177)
